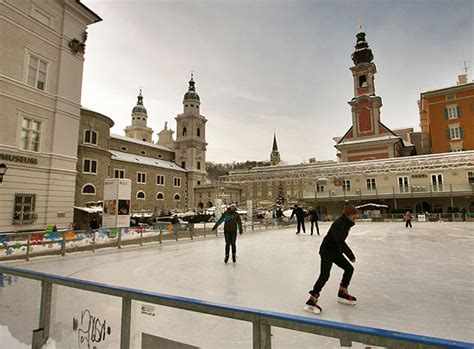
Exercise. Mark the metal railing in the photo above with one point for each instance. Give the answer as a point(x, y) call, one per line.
point(262, 321)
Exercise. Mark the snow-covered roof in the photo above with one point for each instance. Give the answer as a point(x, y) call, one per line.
point(91, 209)
point(373, 139)
point(144, 160)
point(137, 141)
point(371, 204)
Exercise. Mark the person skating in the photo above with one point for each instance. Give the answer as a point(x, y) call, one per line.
point(332, 250)
point(314, 219)
point(408, 218)
point(232, 222)
point(300, 215)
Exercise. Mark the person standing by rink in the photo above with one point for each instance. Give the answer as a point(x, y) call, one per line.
point(232, 221)
point(332, 250)
point(314, 219)
point(408, 218)
point(300, 215)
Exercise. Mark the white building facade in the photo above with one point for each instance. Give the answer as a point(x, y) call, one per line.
point(40, 97)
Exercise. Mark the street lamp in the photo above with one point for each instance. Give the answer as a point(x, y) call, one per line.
point(3, 171)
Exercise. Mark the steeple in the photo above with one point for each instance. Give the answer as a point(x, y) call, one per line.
point(191, 95)
point(275, 155)
point(362, 51)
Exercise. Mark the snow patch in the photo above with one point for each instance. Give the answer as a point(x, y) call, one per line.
point(8, 341)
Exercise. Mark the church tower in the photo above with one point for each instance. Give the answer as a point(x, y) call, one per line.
point(190, 144)
point(139, 129)
point(275, 155)
point(368, 138)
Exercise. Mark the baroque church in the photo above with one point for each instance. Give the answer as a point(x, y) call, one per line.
point(164, 174)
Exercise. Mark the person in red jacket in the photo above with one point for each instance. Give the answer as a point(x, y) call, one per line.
point(332, 250)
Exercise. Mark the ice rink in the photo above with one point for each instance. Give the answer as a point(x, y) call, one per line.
point(418, 280)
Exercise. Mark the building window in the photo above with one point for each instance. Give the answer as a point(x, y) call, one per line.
point(30, 134)
point(119, 173)
point(456, 133)
point(160, 156)
point(143, 152)
point(198, 165)
point(37, 69)
point(160, 196)
point(160, 180)
point(319, 188)
point(362, 81)
point(452, 112)
point(183, 164)
point(269, 194)
point(403, 184)
point(295, 181)
point(450, 97)
point(90, 137)
point(457, 149)
point(371, 184)
point(437, 182)
point(198, 182)
point(122, 148)
point(24, 211)
point(198, 132)
point(176, 197)
point(88, 189)
point(141, 195)
point(470, 177)
point(89, 166)
point(176, 181)
point(185, 131)
point(144, 139)
point(346, 185)
point(141, 177)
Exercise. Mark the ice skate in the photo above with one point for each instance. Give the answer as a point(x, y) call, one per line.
point(226, 259)
point(345, 298)
point(312, 305)
point(234, 258)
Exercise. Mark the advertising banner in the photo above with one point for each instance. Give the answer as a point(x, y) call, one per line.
point(117, 192)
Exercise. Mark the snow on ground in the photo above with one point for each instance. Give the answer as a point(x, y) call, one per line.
point(416, 280)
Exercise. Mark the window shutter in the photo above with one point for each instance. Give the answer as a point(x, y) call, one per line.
point(448, 133)
point(446, 113)
point(461, 132)
point(458, 109)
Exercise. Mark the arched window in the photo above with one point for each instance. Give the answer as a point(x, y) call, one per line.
point(185, 131)
point(141, 195)
point(362, 81)
point(176, 197)
point(199, 132)
point(160, 196)
point(88, 189)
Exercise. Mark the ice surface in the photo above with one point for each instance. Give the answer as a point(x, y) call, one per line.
point(418, 280)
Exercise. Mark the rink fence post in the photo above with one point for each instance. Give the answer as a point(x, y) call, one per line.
point(119, 238)
point(63, 244)
point(262, 337)
point(160, 239)
point(28, 243)
point(141, 237)
point(40, 335)
point(93, 240)
point(126, 323)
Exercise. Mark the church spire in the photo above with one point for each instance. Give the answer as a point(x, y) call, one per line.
point(275, 155)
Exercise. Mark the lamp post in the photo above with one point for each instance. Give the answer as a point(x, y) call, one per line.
point(3, 171)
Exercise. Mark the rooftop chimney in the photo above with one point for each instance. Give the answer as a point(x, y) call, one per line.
point(462, 79)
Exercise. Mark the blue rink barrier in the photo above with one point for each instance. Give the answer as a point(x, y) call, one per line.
point(262, 320)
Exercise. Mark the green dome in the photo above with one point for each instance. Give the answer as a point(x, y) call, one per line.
point(139, 109)
point(191, 95)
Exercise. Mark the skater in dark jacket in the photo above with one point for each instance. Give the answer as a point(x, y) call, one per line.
point(232, 222)
point(300, 215)
point(408, 218)
point(314, 217)
point(332, 250)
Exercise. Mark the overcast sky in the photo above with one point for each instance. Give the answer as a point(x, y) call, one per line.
point(270, 66)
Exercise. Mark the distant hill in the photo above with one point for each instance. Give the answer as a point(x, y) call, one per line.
point(215, 170)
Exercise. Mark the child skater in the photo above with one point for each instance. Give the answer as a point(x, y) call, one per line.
point(232, 222)
point(332, 250)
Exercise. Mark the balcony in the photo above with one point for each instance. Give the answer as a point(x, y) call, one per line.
point(444, 189)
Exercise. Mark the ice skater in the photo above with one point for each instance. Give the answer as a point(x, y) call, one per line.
point(300, 215)
point(332, 250)
point(408, 218)
point(314, 219)
point(232, 222)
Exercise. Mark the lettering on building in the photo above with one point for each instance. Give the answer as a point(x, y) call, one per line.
point(18, 158)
